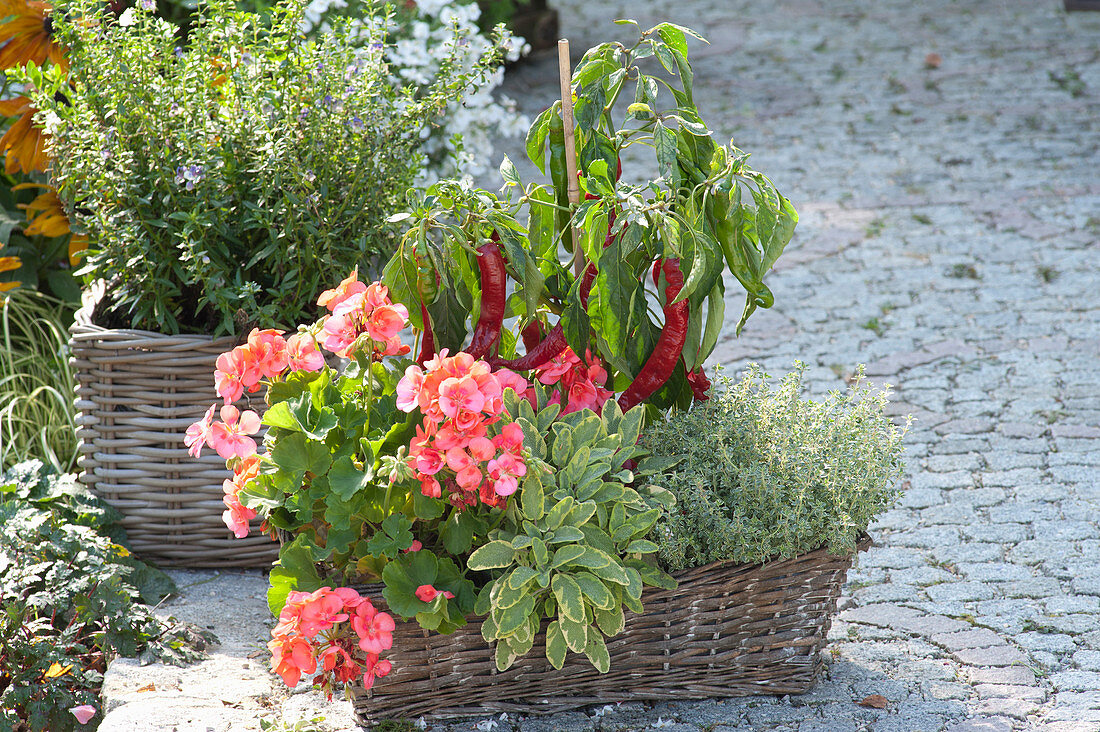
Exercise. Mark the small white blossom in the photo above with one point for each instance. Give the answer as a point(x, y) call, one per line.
point(128, 18)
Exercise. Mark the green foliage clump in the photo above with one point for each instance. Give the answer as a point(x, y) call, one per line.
point(236, 172)
point(765, 474)
point(71, 596)
point(575, 554)
point(37, 415)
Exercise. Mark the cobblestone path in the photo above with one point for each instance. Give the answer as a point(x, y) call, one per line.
point(950, 240)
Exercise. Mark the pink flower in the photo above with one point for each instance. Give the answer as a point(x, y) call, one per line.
point(429, 461)
point(558, 367)
point(236, 516)
point(504, 472)
point(510, 439)
point(429, 486)
point(291, 656)
point(267, 355)
point(302, 353)
point(348, 287)
point(482, 448)
point(198, 434)
point(427, 593)
point(409, 387)
point(458, 459)
point(375, 629)
point(414, 547)
point(230, 436)
point(375, 668)
point(323, 610)
point(469, 478)
point(229, 375)
point(336, 660)
point(339, 333)
point(511, 380)
point(456, 394)
point(83, 713)
point(386, 321)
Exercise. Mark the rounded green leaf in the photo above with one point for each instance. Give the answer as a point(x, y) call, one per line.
point(493, 555)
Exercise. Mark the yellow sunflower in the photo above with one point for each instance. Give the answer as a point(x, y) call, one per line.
point(47, 218)
point(9, 264)
point(24, 143)
point(27, 34)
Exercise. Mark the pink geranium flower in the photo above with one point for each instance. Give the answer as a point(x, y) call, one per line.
point(460, 394)
point(266, 354)
point(427, 593)
point(198, 434)
point(302, 353)
point(230, 437)
point(386, 321)
point(229, 375)
point(409, 388)
point(324, 609)
point(375, 629)
point(348, 287)
point(291, 656)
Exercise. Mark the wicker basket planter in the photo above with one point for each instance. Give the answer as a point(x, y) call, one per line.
point(137, 391)
point(727, 630)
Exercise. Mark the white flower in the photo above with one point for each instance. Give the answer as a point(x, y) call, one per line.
point(128, 18)
point(663, 723)
point(487, 725)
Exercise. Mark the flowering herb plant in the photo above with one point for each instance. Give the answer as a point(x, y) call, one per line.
point(249, 166)
point(707, 213)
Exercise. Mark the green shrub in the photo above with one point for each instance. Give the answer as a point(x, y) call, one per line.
point(765, 474)
point(70, 598)
point(36, 383)
point(238, 173)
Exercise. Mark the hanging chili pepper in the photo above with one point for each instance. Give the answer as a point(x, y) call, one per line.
point(699, 384)
point(532, 334)
point(550, 347)
point(427, 343)
point(494, 296)
point(660, 364)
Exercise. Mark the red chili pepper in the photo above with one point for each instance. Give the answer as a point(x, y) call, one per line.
point(699, 383)
point(660, 364)
point(493, 299)
point(532, 334)
point(552, 345)
point(427, 343)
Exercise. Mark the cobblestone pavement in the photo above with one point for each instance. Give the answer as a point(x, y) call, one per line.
point(950, 240)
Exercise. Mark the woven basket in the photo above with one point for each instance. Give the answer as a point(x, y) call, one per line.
point(727, 630)
point(136, 394)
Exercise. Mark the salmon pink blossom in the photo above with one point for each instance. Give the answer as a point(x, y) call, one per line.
point(349, 286)
point(427, 593)
point(230, 437)
point(375, 629)
point(302, 353)
point(83, 713)
point(198, 434)
point(230, 371)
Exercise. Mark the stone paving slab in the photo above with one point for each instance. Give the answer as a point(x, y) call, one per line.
point(950, 240)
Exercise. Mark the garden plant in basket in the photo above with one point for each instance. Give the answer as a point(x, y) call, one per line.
point(490, 471)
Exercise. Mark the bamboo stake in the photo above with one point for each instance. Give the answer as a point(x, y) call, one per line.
point(565, 75)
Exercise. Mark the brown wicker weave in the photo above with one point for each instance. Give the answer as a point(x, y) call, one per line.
point(136, 393)
point(727, 630)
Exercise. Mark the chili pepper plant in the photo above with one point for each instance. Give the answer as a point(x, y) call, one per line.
point(632, 277)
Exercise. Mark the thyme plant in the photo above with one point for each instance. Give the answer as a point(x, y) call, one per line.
point(764, 474)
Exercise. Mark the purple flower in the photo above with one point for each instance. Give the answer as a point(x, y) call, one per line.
point(187, 176)
point(356, 124)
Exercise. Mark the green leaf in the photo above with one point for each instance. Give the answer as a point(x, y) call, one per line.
point(641, 546)
point(575, 634)
point(511, 619)
point(555, 645)
point(521, 577)
point(556, 516)
point(295, 570)
point(611, 622)
point(668, 166)
point(596, 650)
point(508, 172)
point(595, 590)
point(493, 555)
point(295, 454)
point(536, 140)
point(568, 594)
point(345, 479)
point(566, 554)
point(532, 497)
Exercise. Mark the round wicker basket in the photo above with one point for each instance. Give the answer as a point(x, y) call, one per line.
point(727, 630)
point(137, 392)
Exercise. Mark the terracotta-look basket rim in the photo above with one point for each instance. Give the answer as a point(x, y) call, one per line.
point(137, 392)
point(727, 630)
